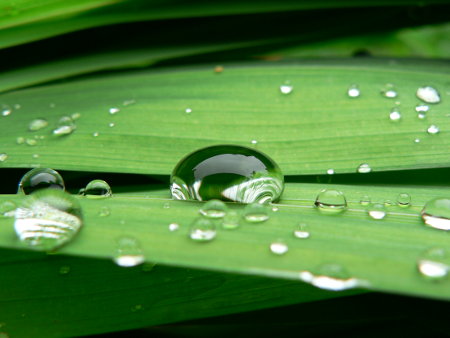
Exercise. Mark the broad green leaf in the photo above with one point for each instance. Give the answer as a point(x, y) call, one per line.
point(312, 129)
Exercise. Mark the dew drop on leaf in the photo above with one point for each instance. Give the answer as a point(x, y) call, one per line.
point(97, 189)
point(173, 227)
point(202, 230)
point(436, 213)
point(39, 178)
point(104, 211)
point(286, 88)
point(422, 108)
point(389, 91)
point(279, 248)
point(364, 168)
point(256, 213)
point(232, 220)
point(404, 200)
point(331, 277)
point(377, 211)
point(214, 209)
point(128, 252)
point(428, 94)
point(301, 231)
point(433, 129)
point(330, 201)
point(433, 264)
point(37, 124)
point(353, 91)
point(365, 200)
point(3, 157)
point(395, 115)
point(113, 110)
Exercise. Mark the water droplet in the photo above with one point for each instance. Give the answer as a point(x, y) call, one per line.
point(331, 201)
point(31, 141)
point(37, 124)
point(436, 213)
point(214, 209)
point(229, 173)
point(330, 171)
point(254, 142)
point(7, 209)
point(128, 253)
point(353, 91)
point(433, 129)
point(35, 155)
point(330, 277)
point(286, 88)
point(39, 178)
point(65, 126)
point(64, 270)
point(104, 211)
point(3, 157)
point(433, 264)
point(202, 230)
point(404, 200)
point(274, 209)
point(173, 227)
point(52, 105)
point(113, 110)
point(218, 69)
point(20, 140)
point(421, 116)
point(75, 116)
point(188, 110)
point(417, 140)
point(377, 211)
point(364, 168)
point(166, 206)
point(6, 112)
point(112, 124)
point(128, 102)
point(389, 91)
point(365, 200)
point(97, 189)
point(48, 219)
point(388, 203)
point(428, 94)
point(256, 213)
point(302, 231)
point(95, 134)
point(279, 248)
point(231, 220)
point(395, 115)
point(422, 108)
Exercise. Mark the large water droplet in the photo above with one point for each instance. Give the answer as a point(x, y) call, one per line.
point(433, 264)
point(97, 189)
point(128, 252)
point(48, 219)
point(256, 213)
point(227, 172)
point(331, 201)
point(302, 231)
point(279, 248)
point(353, 91)
point(37, 124)
point(377, 211)
point(330, 277)
point(364, 168)
point(231, 220)
point(202, 230)
point(286, 88)
point(404, 200)
point(428, 94)
point(436, 213)
point(395, 115)
point(3, 157)
point(214, 209)
point(389, 91)
point(39, 178)
point(433, 129)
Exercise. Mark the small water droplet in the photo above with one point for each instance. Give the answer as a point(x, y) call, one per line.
point(286, 88)
point(377, 211)
point(3, 157)
point(7, 209)
point(20, 140)
point(330, 277)
point(31, 142)
point(136, 308)
point(254, 142)
point(422, 108)
point(330, 201)
point(128, 102)
point(302, 231)
point(95, 134)
point(63, 130)
point(64, 270)
point(52, 105)
point(353, 91)
point(112, 124)
point(39, 178)
point(364, 168)
point(218, 69)
point(6, 112)
point(428, 94)
point(231, 220)
point(388, 203)
point(75, 116)
point(395, 115)
point(256, 213)
point(421, 116)
point(436, 213)
point(113, 110)
point(279, 248)
point(173, 227)
point(188, 110)
point(330, 171)
point(104, 211)
point(274, 209)
point(97, 189)
point(417, 140)
point(389, 91)
point(433, 129)
point(404, 200)
point(37, 124)
point(128, 253)
point(202, 230)
point(433, 264)
point(48, 219)
point(166, 206)
point(35, 155)
point(365, 200)
point(214, 209)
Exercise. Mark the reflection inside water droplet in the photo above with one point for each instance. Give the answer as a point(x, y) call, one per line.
point(40, 178)
point(331, 277)
point(214, 209)
point(256, 213)
point(428, 94)
point(202, 230)
point(404, 200)
point(330, 201)
point(128, 252)
point(436, 213)
point(377, 211)
point(97, 189)
point(433, 264)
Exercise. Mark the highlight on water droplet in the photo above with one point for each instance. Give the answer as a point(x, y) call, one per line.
point(256, 213)
point(37, 124)
point(286, 88)
point(428, 94)
point(65, 126)
point(436, 213)
point(433, 129)
point(365, 200)
point(301, 231)
point(173, 227)
point(6, 112)
point(421, 116)
point(330, 201)
point(3, 157)
point(404, 200)
point(433, 264)
point(202, 230)
point(279, 248)
point(188, 110)
point(417, 140)
point(111, 124)
point(48, 219)
point(113, 110)
point(254, 142)
point(377, 211)
point(128, 252)
point(232, 220)
point(331, 277)
point(97, 189)
point(422, 108)
point(40, 178)
point(228, 173)
point(214, 209)
point(364, 168)
point(389, 91)
point(330, 171)
point(353, 91)
point(395, 115)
